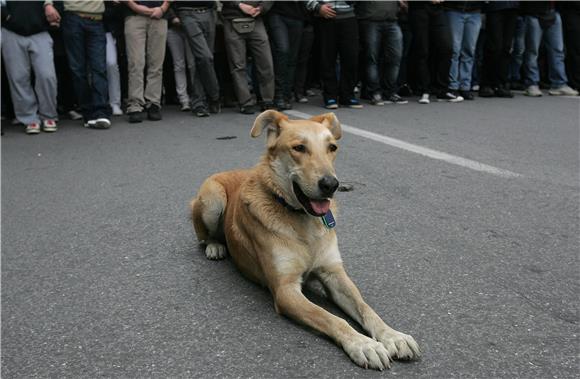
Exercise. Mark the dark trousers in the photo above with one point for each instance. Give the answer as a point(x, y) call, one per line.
point(338, 38)
point(85, 44)
point(431, 49)
point(302, 63)
point(571, 29)
point(500, 28)
point(285, 35)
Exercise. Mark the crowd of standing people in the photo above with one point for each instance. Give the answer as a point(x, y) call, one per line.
point(96, 59)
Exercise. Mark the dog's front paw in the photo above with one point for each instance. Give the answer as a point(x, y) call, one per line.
point(367, 353)
point(215, 251)
point(399, 345)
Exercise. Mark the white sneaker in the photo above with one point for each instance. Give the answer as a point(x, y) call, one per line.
point(74, 115)
point(563, 91)
point(33, 128)
point(99, 123)
point(424, 99)
point(49, 126)
point(117, 111)
point(533, 91)
point(185, 107)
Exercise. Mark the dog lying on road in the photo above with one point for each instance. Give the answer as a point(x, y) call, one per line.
point(276, 221)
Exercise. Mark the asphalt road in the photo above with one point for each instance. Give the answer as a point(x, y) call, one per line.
point(102, 275)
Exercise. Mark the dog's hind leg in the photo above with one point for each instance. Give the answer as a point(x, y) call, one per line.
point(207, 211)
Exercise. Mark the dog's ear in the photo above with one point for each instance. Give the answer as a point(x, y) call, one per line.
point(270, 120)
point(331, 122)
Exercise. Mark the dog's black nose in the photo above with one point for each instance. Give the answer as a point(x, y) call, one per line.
point(328, 185)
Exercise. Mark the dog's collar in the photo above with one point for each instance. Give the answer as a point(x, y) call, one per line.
point(328, 219)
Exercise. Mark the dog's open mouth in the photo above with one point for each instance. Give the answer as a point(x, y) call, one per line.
point(315, 207)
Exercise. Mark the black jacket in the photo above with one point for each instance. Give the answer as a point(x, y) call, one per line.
point(24, 17)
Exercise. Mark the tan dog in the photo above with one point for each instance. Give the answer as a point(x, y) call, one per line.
point(270, 218)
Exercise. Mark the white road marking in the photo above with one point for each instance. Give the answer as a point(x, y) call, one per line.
point(424, 151)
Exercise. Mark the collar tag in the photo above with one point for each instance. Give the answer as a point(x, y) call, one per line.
point(328, 220)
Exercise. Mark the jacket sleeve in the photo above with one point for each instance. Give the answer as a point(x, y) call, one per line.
point(313, 6)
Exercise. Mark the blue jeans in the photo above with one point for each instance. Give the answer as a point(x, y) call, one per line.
point(86, 46)
point(554, 42)
point(464, 32)
point(518, 48)
point(383, 44)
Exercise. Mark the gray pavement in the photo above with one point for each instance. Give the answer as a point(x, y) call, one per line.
point(102, 276)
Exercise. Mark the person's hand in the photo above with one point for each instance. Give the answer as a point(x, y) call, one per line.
point(249, 10)
point(436, 1)
point(326, 11)
point(157, 13)
point(52, 15)
point(176, 21)
point(404, 4)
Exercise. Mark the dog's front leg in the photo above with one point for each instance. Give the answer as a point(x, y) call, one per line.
point(345, 294)
point(363, 350)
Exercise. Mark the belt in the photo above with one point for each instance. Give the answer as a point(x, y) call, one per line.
point(196, 10)
point(90, 16)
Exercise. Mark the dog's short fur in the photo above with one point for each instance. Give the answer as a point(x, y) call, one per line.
point(269, 219)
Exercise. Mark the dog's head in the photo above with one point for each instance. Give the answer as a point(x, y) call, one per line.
point(301, 155)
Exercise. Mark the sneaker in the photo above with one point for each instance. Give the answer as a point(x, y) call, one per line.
point(154, 113)
point(504, 92)
point(215, 106)
point(310, 93)
point(248, 109)
point(302, 99)
point(377, 99)
point(405, 90)
point(330, 104)
point(467, 95)
point(282, 105)
point(136, 117)
point(533, 91)
point(424, 99)
point(49, 126)
point(100, 123)
point(117, 111)
point(74, 115)
point(450, 96)
point(33, 128)
point(563, 91)
point(486, 91)
point(354, 104)
point(475, 88)
point(267, 106)
point(396, 99)
point(201, 111)
point(185, 107)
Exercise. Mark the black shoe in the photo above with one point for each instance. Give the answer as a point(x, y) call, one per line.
point(503, 92)
point(486, 91)
point(154, 113)
point(267, 106)
point(450, 95)
point(248, 109)
point(517, 86)
point(135, 117)
point(467, 95)
point(201, 112)
point(282, 105)
point(215, 106)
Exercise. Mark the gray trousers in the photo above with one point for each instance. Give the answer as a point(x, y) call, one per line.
point(259, 46)
point(182, 58)
point(200, 30)
point(24, 55)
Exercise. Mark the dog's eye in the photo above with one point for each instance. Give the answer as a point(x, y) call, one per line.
point(332, 147)
point(299, 148)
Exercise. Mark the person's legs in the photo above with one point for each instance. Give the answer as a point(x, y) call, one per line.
point(469, 41)
point(517, 50)
point(393, 53)
point(509, 19)
point(280, 41)
point(136, 41)
point(533, 39)
point(45, 87)
point(15, 50)
point(235, 45)
point(571, 29)
point(73, 34)
point(113, 76)
point(492, 49)
point(259, 46)
point(155, 55)
point(177, 50)
point(371, 37)
point(554, 41)
point(456, 24)
point(441, 48)
point(348, 39)
point(306, 43)
point(327, 32)
point(96, 48)
point(419, 23)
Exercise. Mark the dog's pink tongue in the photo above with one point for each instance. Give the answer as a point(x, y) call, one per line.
point(320, 207)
